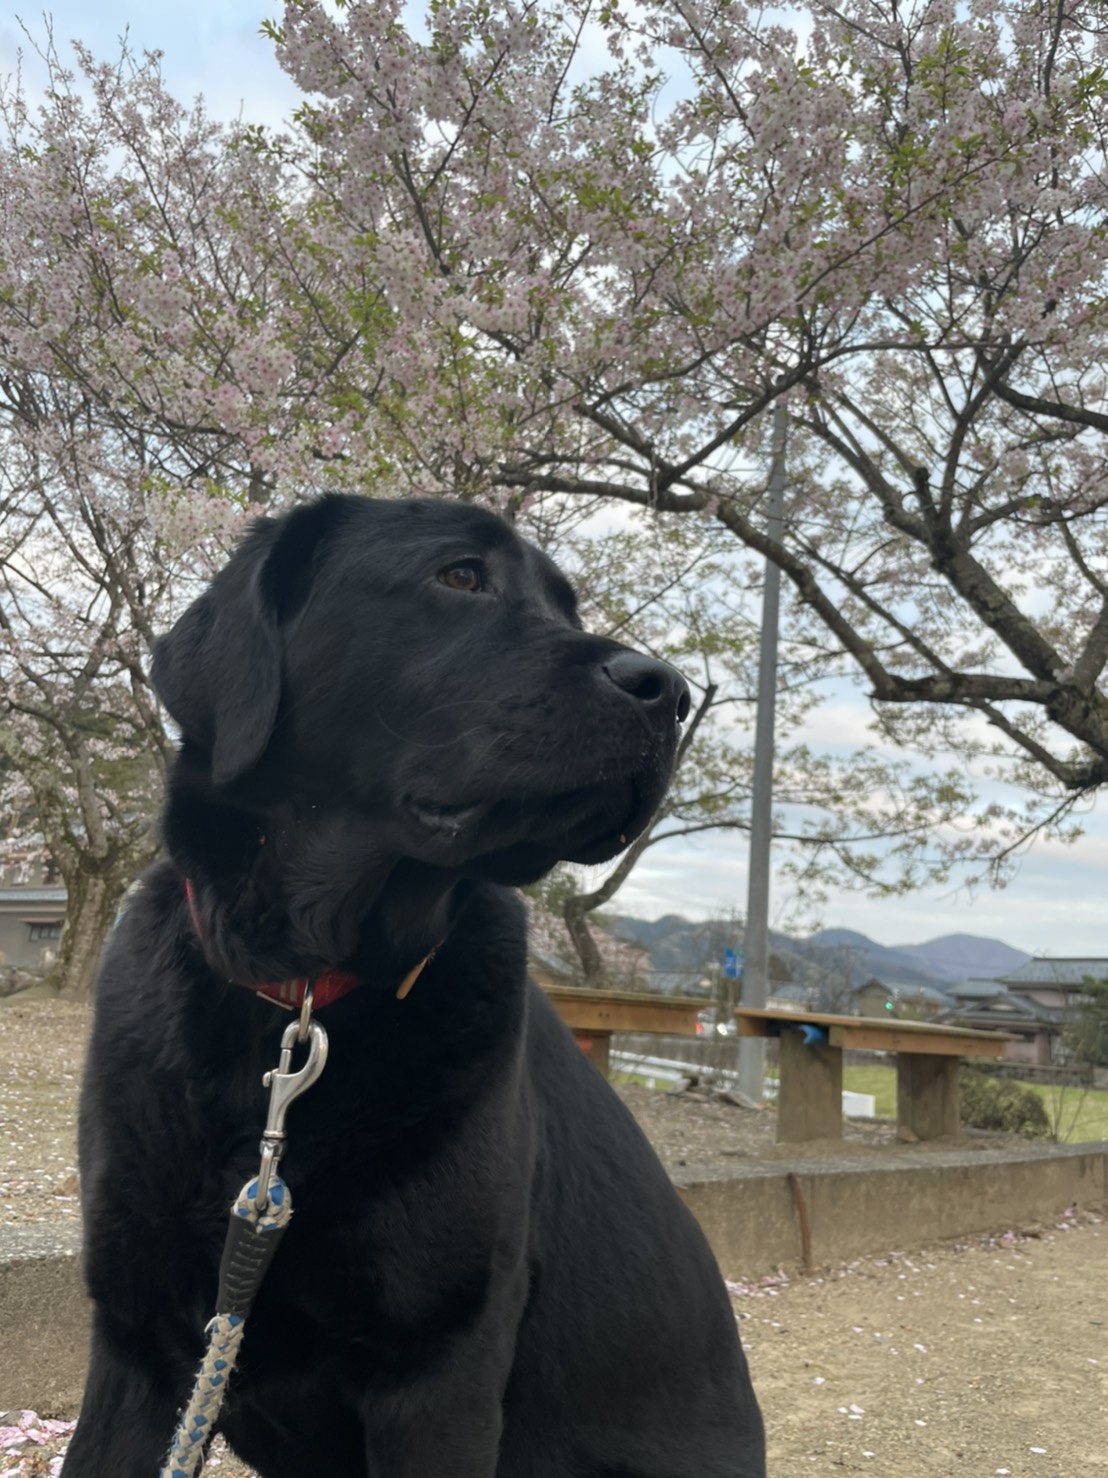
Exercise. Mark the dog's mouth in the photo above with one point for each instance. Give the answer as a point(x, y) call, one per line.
point(444, 819)
point(589, 824)
point(600, 820)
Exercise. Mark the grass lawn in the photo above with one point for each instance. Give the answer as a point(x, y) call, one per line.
point(1076, 1115)
point(880, 1081)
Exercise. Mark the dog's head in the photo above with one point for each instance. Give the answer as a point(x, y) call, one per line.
point(420, 668)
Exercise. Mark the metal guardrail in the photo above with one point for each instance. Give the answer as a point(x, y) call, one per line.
point(670, 1070)
point(667, 1070)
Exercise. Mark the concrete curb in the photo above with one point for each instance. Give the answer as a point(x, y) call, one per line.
point(43, 1319)
point(758, 1219)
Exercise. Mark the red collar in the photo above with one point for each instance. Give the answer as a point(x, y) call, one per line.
point(290, 993)
point(326, 988)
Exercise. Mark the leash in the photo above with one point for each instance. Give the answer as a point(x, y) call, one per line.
point(263, 1208)
point(259, 1216)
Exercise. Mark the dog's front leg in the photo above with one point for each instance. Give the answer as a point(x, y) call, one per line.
point(438, 1427)
point(444, 1418)
point(127, 1415)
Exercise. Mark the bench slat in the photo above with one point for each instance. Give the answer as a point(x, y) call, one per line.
point(889, 1039)
point(877, 1033)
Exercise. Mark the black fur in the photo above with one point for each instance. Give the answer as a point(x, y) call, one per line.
point(488, 1273)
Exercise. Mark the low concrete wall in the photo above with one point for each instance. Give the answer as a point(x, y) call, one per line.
point(43, 1319)
point(852, 1207)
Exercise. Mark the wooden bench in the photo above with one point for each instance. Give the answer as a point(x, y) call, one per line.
point(593, 1015)
point(809, 1094)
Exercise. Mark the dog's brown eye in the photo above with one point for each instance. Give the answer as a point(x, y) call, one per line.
point(463, 577)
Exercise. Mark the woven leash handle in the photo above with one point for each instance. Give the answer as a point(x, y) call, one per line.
point(252, 1239)
point(194, 1430)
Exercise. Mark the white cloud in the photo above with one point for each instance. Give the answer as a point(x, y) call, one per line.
point(1055, 905)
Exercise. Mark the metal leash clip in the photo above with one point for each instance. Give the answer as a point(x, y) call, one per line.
point(285, 1086)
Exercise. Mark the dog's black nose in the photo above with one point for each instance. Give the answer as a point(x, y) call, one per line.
point(655, 684)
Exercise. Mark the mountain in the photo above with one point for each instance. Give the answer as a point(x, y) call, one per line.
point(957, 956)
point(829, 961)
point(684, 955)
point(950, 958)
point(845, 955)
point(652, 932)
point(677, 947)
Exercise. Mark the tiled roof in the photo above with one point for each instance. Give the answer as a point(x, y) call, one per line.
point(976, 990)
point(922, 993)
point(1070, 972)
point(1001, 1005)
point(984, 1021)
point(904, 991)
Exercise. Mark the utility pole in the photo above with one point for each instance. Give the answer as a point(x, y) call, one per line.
point(752, 1050)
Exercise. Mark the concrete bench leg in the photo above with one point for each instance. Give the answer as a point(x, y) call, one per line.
point(810, 1091)
point(927, 1095)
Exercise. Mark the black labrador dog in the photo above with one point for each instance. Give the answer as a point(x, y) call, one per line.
point(390, 714)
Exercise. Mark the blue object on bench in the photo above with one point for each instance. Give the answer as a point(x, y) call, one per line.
point(813, 1035)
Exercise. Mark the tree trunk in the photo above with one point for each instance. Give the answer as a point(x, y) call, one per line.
point(91, 904)
point(592, 966)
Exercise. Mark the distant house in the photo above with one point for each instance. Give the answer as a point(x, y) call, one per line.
point(1056, 983)
point(898, 998)
point(31, 922)
point(995, 1005)
point(1053, 989)
point(875, 998)
point(920, 1002)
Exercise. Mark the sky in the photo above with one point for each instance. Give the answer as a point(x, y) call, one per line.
point(211, 47)
point(1056, 903)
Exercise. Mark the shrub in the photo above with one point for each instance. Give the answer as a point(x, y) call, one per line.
point(996, 1103)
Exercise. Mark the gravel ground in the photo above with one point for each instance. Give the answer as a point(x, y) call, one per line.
point(972, 1361)
point(985, 1359)
point(42, 1046)
point(701, 1132)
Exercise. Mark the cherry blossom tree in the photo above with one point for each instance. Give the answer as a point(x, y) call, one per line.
point(185, 337)
point(167, 366)
point(615, 234)
point(566, 257)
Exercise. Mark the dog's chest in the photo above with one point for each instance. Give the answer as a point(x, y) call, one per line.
point(390, 1235)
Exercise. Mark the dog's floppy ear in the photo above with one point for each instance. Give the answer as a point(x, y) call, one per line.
point(218, 671)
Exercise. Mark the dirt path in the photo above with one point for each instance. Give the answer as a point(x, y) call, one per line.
point(992, 1359)
point(984, 1360)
